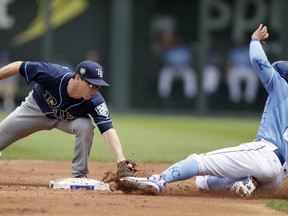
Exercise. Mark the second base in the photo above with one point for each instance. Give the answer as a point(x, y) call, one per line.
point(79, 183)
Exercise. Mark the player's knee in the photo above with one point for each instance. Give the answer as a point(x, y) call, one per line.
point(84, 125)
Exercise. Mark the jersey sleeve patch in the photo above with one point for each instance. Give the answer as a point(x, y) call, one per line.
point(102, 110)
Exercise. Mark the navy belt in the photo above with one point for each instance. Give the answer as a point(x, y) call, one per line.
point(279, 155)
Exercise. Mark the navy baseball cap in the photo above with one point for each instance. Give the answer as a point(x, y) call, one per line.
point(92, 72)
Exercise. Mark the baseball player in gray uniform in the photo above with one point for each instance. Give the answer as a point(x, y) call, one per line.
point(241, 169)
point(66, 100)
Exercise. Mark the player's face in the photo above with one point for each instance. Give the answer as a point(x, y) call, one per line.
point(88, 89)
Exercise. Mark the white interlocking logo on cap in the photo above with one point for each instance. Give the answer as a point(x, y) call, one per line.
point(99, 72)
point(82, 71)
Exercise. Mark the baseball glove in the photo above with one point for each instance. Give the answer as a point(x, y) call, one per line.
point(125, 168)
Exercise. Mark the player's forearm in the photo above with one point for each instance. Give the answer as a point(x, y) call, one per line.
point(10, 70)
point(112, 140)
point(260, 62)
point(256, 51)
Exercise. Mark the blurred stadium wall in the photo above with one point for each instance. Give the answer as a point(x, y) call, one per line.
point(125, 34)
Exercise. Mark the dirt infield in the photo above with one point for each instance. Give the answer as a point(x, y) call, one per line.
point(24, 190)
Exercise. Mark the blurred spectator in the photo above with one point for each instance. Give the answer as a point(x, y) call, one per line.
point(60, 58)
point(8, 87)
point(212, 73)
point(241, 72)
point(93, 55)
point(176, 58)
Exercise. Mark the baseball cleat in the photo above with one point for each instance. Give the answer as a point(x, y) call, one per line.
point(245, 188)
point(148, 186)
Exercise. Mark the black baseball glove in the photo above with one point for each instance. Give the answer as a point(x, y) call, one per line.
point(125, 168)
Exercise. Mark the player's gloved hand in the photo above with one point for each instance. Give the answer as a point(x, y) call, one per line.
point(125, 168)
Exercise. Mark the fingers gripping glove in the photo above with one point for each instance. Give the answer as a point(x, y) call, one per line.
point(125, 168)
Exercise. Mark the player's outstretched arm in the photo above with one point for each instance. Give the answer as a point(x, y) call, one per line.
point(261, 34)
point(112, 140)
point(258, 57)
point(10, 70)
point(125, 167)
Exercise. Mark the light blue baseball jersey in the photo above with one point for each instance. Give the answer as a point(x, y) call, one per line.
point(274, 122)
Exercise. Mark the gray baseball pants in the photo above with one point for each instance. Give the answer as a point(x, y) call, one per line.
point(28, 118)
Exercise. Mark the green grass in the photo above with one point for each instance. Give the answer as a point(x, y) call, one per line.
point(146, 138)
point(280, 205)
point(168, 138)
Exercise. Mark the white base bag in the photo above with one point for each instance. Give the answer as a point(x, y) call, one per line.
point(79, 183)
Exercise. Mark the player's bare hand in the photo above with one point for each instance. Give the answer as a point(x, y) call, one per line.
point(261, 33)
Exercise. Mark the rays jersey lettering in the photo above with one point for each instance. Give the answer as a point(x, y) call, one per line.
point(58, 113)
point(50, 100)
point(102, 110)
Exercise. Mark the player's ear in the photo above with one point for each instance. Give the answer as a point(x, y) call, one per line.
point(76, 76)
